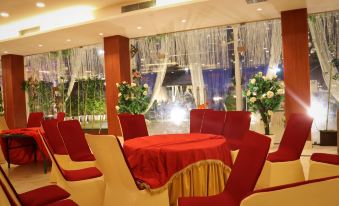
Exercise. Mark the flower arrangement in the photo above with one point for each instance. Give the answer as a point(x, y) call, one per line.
point(265, 95)
point(133, 98)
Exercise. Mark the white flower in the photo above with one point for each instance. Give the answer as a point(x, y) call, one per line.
point(264, 78)
point(270, 94)
point(263, 96)
point(269, 77)
point(146, 86)
point(274, 76)
point(124, 82)
point(248, 93)
point(253, 99)
point(118, 85)
point(270, 112)
point(119, 95)
point(126, 98)
point(117, 108)
point(144, 93)
point(259, 74)
point(280, 91)
point(133, 84)
point(252, 81)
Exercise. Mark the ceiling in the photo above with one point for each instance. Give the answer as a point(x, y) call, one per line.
point(107, 19)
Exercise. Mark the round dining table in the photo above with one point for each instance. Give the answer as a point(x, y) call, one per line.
point(185, 164)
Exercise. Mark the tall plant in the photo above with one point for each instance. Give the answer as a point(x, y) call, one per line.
point(265, 95)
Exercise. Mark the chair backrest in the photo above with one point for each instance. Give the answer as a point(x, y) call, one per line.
point(60, 116)
point(75, 142)
point(248, 165)
point(53, 137)
point(3, 123)
point(8, 195)
point(297, 129)
point(34, 119)
point(237, 124)
point(132, 125)
point(196, 117)
point(107, 150)
point(213, 122)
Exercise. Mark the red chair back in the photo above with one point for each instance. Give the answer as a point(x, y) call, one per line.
point(236, 126)
point(60, 116)
point(196, 117)
point(34, 119)
point(248, 165)
point(132, 125)
point(213, 122)
point(75, 142)
point(297, 129)
point(53, 137)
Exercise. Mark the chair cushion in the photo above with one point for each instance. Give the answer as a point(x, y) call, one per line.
point(326, 158)
point(282, 155)
point(81, 174)
point(222, 199)
point(79, 157)
point(67, 202)
point(43, 196)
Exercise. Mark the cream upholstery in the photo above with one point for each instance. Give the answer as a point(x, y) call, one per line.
point(280, 173)
point(311, 194)
point(87, 192)
point(121, 189)
point(320, 170)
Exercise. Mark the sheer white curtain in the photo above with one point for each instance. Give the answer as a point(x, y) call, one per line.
point(276, 48)
point(318, 25)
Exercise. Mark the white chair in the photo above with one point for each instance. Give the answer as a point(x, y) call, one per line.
point(121, 188)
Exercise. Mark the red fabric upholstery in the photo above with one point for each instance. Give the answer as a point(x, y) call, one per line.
point(81, 174)
point(75, 142)
point(196, 117)
point(213, 122)
point(67, 202)
point(155, 159)
point(34, 119)
point(60, 116)
point(236, 125)
point(293, 141)
point(132, 125)
point(43, 196)
point(326, 158)
point(24, 153)
point(243, 177)
point(53, 137)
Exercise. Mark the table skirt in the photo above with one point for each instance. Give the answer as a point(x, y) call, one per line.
point(203, 178)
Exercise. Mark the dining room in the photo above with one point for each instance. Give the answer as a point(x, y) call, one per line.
point(169, 102)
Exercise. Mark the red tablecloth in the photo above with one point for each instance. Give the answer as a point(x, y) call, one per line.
point(25, 154)
point(154, 159)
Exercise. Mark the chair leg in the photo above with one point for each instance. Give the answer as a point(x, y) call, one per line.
point(34, 151)
point(7, 153)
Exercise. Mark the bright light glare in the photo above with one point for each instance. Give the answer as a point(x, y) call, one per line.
point(317, 111)
point(217, 98)
point(49, 21)
point(177, 115)
point(169, 2)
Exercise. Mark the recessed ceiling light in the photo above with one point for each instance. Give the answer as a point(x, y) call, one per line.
point(101, 34)
point(183, 21)
point(40, 4)
point(6, 52)
point(4, 14)
point(40, 45)
point(139, 27)
point(259, 9)
point(68, 40)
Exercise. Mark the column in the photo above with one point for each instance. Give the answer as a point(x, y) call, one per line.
point(296, 62)
point(117, 69)
point(13, 94)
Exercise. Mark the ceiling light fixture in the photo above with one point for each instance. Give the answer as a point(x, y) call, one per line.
point(68, 40)
point(4, 14)
point(40, 4)
point(139, 27)
point(40, 45)
point(6, 52)
point(101, 34)
point(259, 9)
point(183, 21)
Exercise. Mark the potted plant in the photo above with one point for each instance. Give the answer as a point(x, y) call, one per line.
point(265, 94)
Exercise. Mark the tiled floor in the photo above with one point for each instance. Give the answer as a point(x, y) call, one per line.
point(30, 176)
